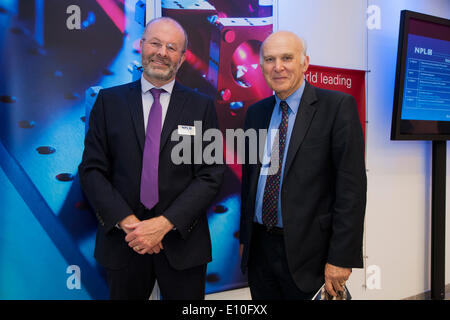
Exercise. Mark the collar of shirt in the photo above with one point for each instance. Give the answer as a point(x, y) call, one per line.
point(146, 85)
point(147, 99)
point(293, 100)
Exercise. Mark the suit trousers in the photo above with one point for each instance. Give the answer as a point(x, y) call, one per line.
point(269, 277)
point(136, 281)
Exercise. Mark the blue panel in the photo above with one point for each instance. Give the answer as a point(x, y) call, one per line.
point(45, 71)
point(32, 266)
point(224, 270)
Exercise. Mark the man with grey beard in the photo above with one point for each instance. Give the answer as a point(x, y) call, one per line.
point(151, 212)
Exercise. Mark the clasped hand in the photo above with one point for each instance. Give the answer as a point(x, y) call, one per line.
point(146, 236)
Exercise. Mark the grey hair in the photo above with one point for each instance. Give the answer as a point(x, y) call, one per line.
point(303, 42)
point(173, 21)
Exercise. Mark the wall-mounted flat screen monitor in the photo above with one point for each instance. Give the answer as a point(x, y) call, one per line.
point(422, 83)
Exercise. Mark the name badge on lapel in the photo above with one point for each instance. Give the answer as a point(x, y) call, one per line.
point(186, 130)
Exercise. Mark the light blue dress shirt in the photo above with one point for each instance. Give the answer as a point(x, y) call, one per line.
point(293, 101)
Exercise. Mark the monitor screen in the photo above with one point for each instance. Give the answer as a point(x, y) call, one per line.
point(422, 85)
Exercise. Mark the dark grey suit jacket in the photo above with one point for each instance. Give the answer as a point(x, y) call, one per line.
point(110, 174)
point(323, 195)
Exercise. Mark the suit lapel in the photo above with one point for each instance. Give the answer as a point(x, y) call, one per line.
point(176, 105)
point(136, 110)
point(303, 119)
point(262, 123)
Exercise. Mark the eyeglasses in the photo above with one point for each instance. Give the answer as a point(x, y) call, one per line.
point(171, 47)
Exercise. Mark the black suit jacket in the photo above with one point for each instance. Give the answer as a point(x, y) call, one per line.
point(110, 174)
point(323, 195)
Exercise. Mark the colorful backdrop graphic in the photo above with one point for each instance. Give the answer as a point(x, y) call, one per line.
point(46, 68)
point(51, 71)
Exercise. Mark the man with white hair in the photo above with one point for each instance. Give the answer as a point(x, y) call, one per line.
point(302, 224)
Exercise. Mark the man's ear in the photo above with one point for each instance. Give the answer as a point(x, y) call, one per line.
point(183, 57)
point(305, 64)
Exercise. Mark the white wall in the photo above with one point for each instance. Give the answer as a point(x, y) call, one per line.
point(397, 232)
point(334, 30)
point(397, 237)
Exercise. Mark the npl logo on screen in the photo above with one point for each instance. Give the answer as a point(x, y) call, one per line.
point(424, 51)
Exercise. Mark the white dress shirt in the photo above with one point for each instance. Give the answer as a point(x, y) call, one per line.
point(147, 102)
point(147, 99)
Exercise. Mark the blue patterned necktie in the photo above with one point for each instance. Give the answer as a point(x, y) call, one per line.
point(272, 188)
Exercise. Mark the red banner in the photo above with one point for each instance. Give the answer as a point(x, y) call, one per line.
point(344, 80)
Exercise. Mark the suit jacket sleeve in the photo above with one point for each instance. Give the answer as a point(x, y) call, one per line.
point(245, 185)
point(198, 196)
point(350, 200)
point(94, 171)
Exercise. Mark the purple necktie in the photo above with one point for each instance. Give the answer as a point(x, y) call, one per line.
point(150, 160)
point(272, 188)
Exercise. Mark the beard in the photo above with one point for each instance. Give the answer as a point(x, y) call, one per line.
point(156, 73)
